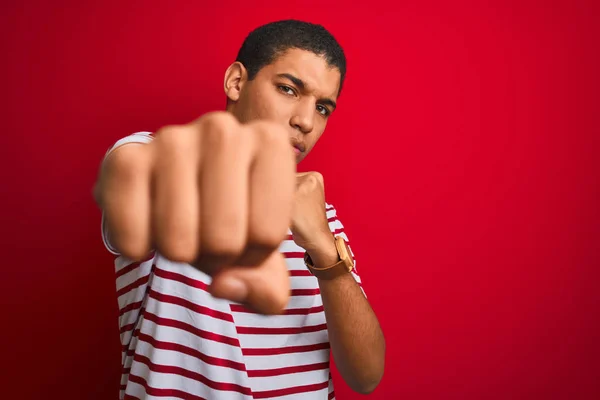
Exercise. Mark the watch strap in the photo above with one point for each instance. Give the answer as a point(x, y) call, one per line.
point(341, 267)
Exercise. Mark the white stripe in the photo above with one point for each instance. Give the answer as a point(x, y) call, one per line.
point(287, 360)
point(304, 282)
point(278, 321)
point(295, 263)
point(260, 384)
point(252, 341)
point(289, 246)
point(297, 302)
point(316, 395)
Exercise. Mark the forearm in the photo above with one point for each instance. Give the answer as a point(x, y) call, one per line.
point(356, 339)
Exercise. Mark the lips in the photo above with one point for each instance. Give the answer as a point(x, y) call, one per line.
point(299, 147)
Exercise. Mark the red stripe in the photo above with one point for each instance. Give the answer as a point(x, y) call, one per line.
point(167, 369)
point(331, 395)
point(285, 350)
point(304, 311)
point(126, 328)
point(305, 292)
point(191, 329)
point(129, 307)
point(292, 390)
point(163, 392)
point(252, 330)
point(220, 362)
point(127, 269)
point(293, 254)
point(300, 272)
point(181, 278)
point(191, 306)
point(262, 373)
point(132, 266)
point(291, 311)
point(139, 282)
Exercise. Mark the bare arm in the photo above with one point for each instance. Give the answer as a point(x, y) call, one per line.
point(357, 342)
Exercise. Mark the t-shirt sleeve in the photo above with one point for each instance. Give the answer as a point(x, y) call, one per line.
point(138, 137)
point(337, 229)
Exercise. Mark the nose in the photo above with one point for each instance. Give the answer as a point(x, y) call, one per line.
point(303, 117)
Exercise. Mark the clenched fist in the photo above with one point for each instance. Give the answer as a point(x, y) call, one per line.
point(215, 194)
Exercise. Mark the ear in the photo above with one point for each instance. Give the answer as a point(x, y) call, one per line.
point(235, 78)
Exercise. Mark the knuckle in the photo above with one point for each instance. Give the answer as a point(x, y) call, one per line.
point(312, 180)
point(316, 178)
point(133, 250)
point(126, 159)
point(169, 132)
point(172, 138)
point(178, 247)
point(178, 251)
point(217, 120)
point(219, 129)
point(267, 239)
point(223, 245)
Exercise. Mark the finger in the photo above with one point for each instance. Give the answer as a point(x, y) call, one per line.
point(272, 189)
point(175, 209)
point(125, 199)
point(265, 288)
point(223, 192)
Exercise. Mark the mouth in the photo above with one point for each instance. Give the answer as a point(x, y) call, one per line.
point(299, 148)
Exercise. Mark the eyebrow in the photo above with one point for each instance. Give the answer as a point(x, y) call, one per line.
point(302, 86)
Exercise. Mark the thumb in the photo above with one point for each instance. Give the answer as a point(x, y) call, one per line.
point(264, 288)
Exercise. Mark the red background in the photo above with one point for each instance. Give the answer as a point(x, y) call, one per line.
point(462, 160)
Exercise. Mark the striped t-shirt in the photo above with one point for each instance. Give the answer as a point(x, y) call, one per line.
point(180, 342)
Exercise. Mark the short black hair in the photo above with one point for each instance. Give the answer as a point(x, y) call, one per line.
point(265, 43)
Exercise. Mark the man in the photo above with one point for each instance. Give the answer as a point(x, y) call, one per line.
point(234, 277)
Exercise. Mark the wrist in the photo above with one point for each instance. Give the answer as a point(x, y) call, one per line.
point(323, 253)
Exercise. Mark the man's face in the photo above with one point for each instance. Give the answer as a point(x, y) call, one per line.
point(299, 90)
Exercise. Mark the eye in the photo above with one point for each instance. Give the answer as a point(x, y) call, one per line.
point(323, 110)
point(286, 90)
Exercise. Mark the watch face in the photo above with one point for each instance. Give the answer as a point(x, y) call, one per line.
point(345, 253)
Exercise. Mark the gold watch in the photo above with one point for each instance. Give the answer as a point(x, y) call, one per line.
point(343, 266)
